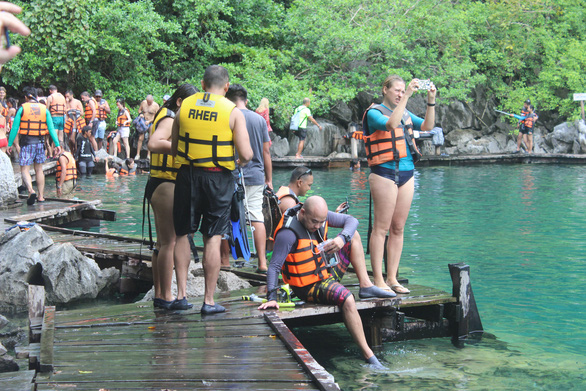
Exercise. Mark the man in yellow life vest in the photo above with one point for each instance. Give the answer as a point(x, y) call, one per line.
point(32, 122)
point(205, 132)
point(314, 266)
point(66, 174)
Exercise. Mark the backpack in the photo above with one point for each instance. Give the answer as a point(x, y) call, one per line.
point(140, 124)
point(295, 120)
point(271, 211)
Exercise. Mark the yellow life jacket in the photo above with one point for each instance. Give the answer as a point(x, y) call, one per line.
point(304, 265)
point(163, 166)
point(34, 119)
point(205, 137)
point(70, 168)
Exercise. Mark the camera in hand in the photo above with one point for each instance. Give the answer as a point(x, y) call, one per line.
point(424, 84)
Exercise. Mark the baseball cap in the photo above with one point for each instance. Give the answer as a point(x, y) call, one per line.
point(98, 93)
point(528, 101)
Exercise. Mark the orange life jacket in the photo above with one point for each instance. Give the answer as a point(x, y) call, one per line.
point(383, 145)
point(70, 168)
point(34, 119)
point(304, 265)
point(57, 106)
point(72, 124)
point(285, 191)
point(530, 120)
point(123, 120)
point(88, 110)
point(100, 112)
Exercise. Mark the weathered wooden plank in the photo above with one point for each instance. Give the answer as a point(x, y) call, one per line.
point(99, 214)
point(177, 385)
point(17, 381)
point(36, 310)
point(47, 340)
point(51, 213)
point(192, 372)
point(323, 379)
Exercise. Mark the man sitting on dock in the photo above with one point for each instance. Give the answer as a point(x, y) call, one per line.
point(301, 249)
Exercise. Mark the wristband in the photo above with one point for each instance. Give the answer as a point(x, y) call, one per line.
point(431, 104)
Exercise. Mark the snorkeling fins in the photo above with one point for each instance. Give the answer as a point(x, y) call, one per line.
point(239, 237)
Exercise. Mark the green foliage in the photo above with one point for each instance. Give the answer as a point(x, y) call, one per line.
point(327, 50)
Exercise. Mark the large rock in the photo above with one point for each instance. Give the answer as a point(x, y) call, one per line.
point(279, 147)
point(3, 321)
point(19, 257)
point(341, 113)
point(318, 142)
point(70, 276)
point(29, 257)
point(563, 138)
point(8, 364)
point(8, 188)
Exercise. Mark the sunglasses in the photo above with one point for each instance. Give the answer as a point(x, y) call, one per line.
point(308, 172)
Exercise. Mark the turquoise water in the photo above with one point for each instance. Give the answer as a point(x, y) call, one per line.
point(520, 228)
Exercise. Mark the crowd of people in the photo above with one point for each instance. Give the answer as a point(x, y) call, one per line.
point(199, 141)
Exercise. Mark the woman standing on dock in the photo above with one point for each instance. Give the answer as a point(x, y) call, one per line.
point(159, 191)
point(389, 127)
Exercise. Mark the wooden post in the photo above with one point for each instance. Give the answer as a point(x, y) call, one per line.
point(466, 320)
point(47, 340)
point(581, 98)
point(36, 310)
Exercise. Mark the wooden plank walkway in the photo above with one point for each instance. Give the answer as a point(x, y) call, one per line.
point(135, 347)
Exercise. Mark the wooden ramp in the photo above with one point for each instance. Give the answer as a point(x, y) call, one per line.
point(133, 347)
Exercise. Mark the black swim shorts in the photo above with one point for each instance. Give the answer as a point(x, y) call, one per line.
point(301, 133)
point(152, 185)
point(202, 193)
point(387, 173)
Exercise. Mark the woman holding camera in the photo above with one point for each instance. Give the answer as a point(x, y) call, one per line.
point(391, 154)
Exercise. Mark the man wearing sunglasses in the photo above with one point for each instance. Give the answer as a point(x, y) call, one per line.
point(299, 184)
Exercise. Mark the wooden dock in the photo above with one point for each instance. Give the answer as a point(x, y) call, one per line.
point(134, 346)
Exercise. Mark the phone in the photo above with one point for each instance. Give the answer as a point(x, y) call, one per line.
point(345, 209)
point(7, 37)
point(424, 84)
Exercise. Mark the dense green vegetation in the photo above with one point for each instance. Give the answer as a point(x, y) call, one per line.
point(326, 49)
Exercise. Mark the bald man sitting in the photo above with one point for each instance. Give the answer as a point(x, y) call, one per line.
point(308, 263)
